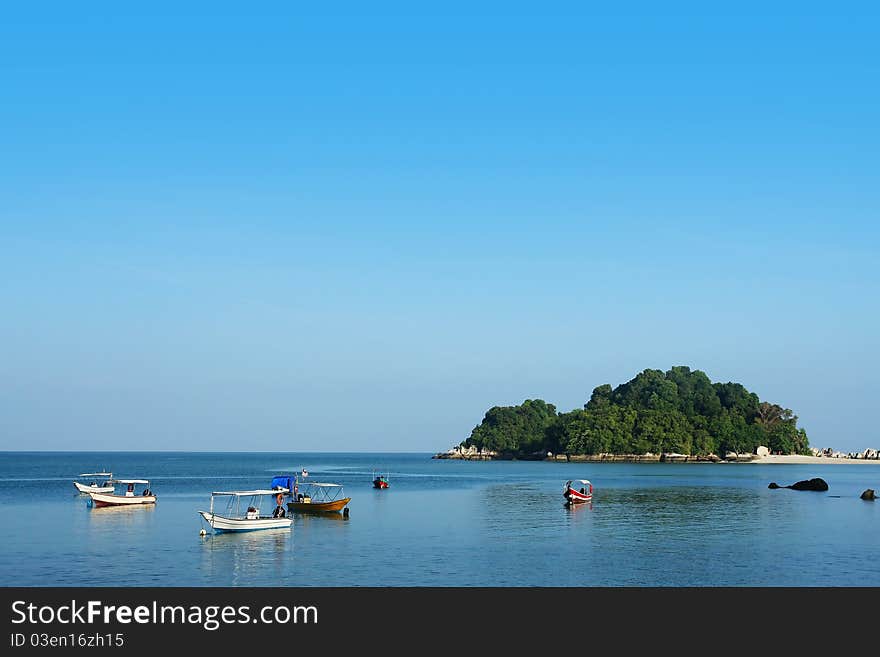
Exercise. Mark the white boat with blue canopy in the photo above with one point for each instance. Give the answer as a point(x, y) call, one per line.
point(234, 519)
point(106, 486)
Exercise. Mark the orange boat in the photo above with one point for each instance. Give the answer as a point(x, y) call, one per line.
point(316, 497)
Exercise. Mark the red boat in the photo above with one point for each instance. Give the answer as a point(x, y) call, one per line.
point(380, 481)
point(577, 495)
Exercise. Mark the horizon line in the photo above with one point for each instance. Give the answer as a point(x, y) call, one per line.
point(199, 451)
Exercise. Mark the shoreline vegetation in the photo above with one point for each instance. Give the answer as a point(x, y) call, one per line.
point(677, 416)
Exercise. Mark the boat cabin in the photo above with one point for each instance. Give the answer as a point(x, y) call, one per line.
point(251, 500)
point(131, 487)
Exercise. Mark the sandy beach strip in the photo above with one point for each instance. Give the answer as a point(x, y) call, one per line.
point(816, 460)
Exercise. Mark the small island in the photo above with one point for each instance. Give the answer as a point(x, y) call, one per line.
point(679, 415)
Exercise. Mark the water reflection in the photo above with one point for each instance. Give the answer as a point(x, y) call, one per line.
point(515, 509)
point(119, 515)
point(577, 515)
point(279, 538)
point(306, 518)
point(248, 558)
point(317, 524)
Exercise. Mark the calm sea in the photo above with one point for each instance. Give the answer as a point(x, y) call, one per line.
point(443, 523)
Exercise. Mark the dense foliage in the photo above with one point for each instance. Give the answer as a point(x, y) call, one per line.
point(678, 411)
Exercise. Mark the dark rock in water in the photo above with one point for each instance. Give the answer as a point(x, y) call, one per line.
point(869, 495)
point(812, 484)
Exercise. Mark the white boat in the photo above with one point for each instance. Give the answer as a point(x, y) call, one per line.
point(129, 498)
point(233, 519)
point(106, 486)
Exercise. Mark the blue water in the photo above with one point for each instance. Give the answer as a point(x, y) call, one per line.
point(444, 523)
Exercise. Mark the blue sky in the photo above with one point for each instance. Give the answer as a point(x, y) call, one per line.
point(357, 230)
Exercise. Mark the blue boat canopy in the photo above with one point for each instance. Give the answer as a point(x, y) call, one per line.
point(283, 481)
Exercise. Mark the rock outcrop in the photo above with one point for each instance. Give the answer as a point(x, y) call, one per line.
point(470, 453)
point(816, 484)
point(869, 495)
point(808, 484)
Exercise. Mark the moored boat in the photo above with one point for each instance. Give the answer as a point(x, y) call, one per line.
point(318, 497)
point(310, 496)
point(575, 494)
point(380, 481)
point(233, 519)
point(106, 486)
point(130, 498)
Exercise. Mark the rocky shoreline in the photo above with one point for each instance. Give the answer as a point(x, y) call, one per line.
point(472, 454)
point(762, 457)
point(644, 458)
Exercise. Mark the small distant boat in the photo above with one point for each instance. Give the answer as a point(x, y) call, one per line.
point(380, 481)
point(234, 520)
point(304, 473)
point(577, 494)
point(105, 486)
point(130, 498)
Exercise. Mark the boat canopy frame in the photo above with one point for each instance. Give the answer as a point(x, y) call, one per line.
point(320, 491)
point(255, 498)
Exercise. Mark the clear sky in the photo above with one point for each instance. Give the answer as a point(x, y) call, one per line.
point(254, 226)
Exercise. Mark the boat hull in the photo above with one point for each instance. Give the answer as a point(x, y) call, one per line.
point(380, 484)
point(85, 488)
point(318, 507)
point(103, 499)
point(225, 524)
point(576, 497)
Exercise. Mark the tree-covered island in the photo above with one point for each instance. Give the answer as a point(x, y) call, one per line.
point(680, 411)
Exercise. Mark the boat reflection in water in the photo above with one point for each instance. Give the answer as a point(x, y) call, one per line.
point(268, 540)
point(129, 511)
point(577, 509)
point(102, 518)
point(305, 518)
point(260, 558)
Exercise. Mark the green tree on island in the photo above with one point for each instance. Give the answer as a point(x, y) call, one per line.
point(679, 411)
